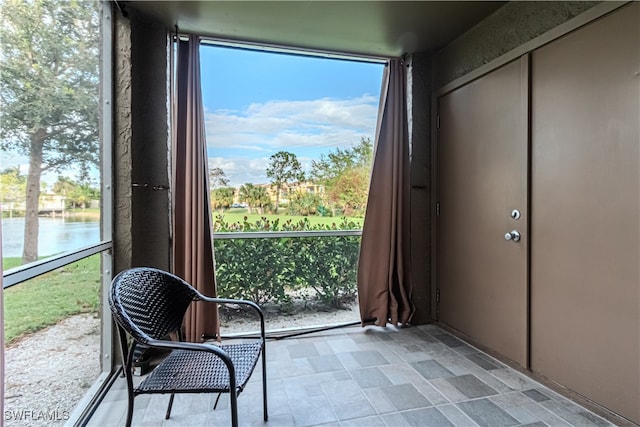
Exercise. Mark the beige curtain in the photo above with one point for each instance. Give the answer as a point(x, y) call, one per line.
point(384, 287)
point(192, 241)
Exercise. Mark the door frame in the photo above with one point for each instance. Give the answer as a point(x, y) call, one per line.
point(520, 354)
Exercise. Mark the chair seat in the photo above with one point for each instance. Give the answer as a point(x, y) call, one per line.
point(185, 371)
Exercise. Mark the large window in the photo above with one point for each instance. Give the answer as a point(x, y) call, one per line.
point(290, 145)
point(55, 221)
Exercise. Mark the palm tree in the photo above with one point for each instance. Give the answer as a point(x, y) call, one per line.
point(247, 195)
point(223, 197)
point(260, 198)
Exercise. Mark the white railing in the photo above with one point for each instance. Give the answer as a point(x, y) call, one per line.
point(29, 271)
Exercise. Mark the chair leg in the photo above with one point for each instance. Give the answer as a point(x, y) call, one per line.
point(130, 411)
point(168, 414)
point(130, 397)
point(264, 384)
point(234, 408)
point(126, 371)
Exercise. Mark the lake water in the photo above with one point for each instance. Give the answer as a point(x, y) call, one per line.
point(55, 235)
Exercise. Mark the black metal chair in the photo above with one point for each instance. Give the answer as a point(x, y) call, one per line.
point(148, 304)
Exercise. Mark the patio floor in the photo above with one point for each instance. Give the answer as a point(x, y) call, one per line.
point(417, 376)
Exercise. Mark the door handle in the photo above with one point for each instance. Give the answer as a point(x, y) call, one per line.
point(514, 236)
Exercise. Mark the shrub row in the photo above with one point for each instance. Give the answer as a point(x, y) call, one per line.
point(271, 270)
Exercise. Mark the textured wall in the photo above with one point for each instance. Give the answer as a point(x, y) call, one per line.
point(141, 217)
point(122, 215)
point(509, 27)
point(150, 143)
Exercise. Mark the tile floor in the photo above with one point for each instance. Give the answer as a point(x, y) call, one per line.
point(417, 376)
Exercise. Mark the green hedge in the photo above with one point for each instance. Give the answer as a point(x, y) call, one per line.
point(271, 270)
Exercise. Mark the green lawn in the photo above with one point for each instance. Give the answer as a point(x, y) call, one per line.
point(85, 211)
point(8, 263)
point(47, 299)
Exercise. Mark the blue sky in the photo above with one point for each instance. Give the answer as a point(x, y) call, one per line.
point(258, 103)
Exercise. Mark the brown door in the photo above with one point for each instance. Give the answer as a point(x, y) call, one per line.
point(482, 179)
point(585, 241)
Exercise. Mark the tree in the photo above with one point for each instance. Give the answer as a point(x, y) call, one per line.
point(261, 198)
point(49, 84)
point(305, 204)
point(63, 186)
point(217, 178)
point(350, 191)
point(332, 165)
point(283, 169)
point(76, 194)
point(12, 189)
point(255, 197)
point(247, 194)
point(345, 175)
point(223, 197)
point(82, 195)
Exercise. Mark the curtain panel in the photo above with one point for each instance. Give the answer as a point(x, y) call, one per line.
point(192, 240)
point(384, 287)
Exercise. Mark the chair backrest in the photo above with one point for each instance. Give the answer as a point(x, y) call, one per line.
point(149, 303)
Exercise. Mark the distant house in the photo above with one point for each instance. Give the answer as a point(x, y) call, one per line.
point(51, 204)
point(286, 191)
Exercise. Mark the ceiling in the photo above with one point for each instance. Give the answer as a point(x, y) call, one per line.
point(368, 28)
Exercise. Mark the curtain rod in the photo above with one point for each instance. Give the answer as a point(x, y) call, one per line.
point(288, 50)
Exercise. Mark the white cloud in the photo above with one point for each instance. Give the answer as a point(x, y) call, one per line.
point(239, 171)
point(273, 125)
point(246, 139)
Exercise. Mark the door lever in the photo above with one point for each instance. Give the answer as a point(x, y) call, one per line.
point(514, 236)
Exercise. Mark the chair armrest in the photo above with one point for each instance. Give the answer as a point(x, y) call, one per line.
point(191, 346)
point(252, 304)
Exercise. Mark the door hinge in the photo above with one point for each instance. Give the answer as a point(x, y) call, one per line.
point(438, 295)
point(438, 209)
point(437, 122)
